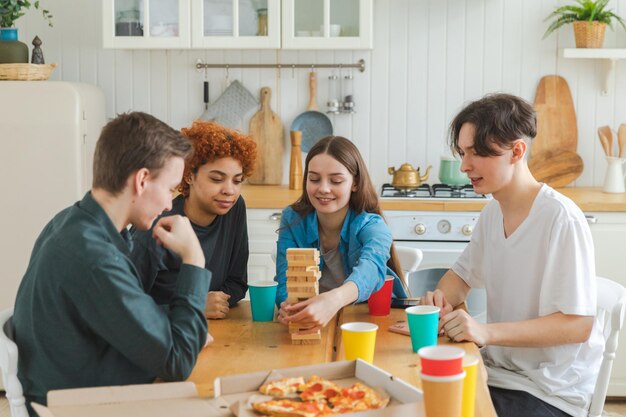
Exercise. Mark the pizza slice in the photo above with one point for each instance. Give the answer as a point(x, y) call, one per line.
point(358, 397)
point(318, 389)
point(282, 387)
point(292, 408)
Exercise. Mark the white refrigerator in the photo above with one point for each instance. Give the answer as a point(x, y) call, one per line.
point(48, 131)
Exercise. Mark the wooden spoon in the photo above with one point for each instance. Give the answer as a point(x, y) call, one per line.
point(606, 139)
point(621, 139)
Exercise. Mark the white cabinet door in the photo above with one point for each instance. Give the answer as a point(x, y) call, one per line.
point(143, 24)
point(609, 239)
point(327, 24)
point(263, 227)
point(261, 267)
point(241, 24)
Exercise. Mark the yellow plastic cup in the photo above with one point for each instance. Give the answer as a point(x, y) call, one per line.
point(470, 366)
point(359, 340)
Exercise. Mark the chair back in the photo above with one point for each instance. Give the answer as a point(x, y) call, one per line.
point(410, 258)
point(8, 365)
point(611, 306)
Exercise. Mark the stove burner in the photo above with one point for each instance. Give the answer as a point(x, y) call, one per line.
point(431, 191)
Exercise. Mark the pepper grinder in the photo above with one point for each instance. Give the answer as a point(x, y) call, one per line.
point(295, 164)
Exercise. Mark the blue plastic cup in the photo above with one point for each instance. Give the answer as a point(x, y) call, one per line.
point(423, 326)
point(262, 299)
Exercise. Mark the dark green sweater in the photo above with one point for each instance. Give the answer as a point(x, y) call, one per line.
point(225, 246)
point(82, 318)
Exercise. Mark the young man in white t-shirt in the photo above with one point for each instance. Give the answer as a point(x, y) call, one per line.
point(533, 253)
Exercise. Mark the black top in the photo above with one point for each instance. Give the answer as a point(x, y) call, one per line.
point(82, 318)
point(225, 246)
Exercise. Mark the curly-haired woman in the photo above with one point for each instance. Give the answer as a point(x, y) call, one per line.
point(211, 198)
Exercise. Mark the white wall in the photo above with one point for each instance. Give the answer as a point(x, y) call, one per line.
point(429, 57)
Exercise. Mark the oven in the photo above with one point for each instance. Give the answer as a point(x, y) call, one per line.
point(441, 235)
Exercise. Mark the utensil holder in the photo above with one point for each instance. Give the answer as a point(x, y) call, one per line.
point(614, 178)
point(295, 164)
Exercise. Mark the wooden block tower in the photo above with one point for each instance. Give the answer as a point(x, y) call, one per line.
point(303, 274)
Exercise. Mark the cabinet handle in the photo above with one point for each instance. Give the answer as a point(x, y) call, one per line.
point(275, 216)
point(591, 219)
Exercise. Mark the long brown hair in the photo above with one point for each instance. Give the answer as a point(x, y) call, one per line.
point(364, 198)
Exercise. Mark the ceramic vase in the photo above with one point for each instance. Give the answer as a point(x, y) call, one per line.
point(12, 51)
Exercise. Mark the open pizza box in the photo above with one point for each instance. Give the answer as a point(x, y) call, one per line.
point(231, 395)
point(150, 400)
point(236, 390)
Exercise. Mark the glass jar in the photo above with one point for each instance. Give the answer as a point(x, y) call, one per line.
point(262, 21)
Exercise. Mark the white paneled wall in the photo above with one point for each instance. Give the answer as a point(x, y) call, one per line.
point(429, 57)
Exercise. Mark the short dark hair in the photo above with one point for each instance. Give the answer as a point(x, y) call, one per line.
point(133, 141)
point(499, 119)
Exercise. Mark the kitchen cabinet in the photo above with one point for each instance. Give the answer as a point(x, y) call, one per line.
point(237, 24)
point(609, 237)
point(327, 24)
point(178, 24)
point(263, 227)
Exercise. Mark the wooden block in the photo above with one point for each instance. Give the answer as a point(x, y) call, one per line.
point(306, 341)
point(303, 251)
point(311, 262)
point(301, 279)
point(310, 271)
point(311, 336)
point(301, 285)
point(310, 255)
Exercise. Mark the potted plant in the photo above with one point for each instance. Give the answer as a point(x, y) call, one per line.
point(589, 17)
point(11, 10)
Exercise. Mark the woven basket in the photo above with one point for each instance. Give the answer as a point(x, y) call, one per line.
point(26, 72)
point(589, 34)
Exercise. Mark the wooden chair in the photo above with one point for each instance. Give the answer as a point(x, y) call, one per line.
point(8, 365)
point(611, 305)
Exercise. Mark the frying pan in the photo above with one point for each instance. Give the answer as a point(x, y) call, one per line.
point(313, 124)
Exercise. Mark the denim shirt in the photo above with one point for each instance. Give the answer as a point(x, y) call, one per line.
point(364, 245)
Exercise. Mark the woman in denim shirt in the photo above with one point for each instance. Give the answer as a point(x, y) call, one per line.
point(338, 213)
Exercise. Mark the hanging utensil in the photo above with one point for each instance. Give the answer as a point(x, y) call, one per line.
point(206, 95)
point(621, 140)
point(313, 124)
point(606, 139)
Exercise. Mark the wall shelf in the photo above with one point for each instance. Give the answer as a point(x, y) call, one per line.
point(609, 55)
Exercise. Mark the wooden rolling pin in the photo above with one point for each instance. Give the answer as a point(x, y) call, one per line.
point(295, 164)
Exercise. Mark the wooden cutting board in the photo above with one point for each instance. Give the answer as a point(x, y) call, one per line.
point(266, 130)
point(556, 117)
point(556, 168)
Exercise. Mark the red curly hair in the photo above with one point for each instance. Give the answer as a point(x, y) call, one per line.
point(211, 142)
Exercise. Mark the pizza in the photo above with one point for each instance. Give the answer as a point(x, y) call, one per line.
point(282, 387)
point(358, 397)
point(318, 389)
point(320, 397)
point(293, 408)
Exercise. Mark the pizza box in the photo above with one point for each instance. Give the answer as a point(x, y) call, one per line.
point(405, 399)
point(149, 400)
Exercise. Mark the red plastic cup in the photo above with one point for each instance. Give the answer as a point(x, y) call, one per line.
point(441, 360)
point(379, 303)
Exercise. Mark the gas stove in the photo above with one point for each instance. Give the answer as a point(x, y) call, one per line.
point(434, 191)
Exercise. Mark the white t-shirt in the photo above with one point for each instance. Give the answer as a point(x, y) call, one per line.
point(546, 266)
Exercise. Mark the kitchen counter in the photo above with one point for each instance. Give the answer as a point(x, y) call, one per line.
point(280, 196)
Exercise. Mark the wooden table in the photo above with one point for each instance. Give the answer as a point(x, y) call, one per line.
point(394, 354)
point(243, 346)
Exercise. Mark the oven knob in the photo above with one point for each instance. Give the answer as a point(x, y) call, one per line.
point(420, 229)
point(444, 226)
point(467, 229)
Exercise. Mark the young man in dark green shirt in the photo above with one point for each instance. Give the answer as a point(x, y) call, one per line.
point(81, 316)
